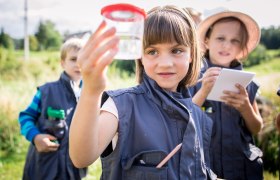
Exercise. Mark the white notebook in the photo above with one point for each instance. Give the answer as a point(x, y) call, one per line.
point(227, 80)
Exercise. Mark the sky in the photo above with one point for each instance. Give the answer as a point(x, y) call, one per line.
point(84, 15)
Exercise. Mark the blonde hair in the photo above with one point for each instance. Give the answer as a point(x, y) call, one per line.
point(168, 24)
point(196, 15)
point(70, 44)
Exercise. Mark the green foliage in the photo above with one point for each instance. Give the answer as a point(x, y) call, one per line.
point(11, 164)
point(48, 37)
point(270, 37)
point(33, 43)
point(268, 138)
point(268, 67)
point(5, 40)
point(273, 52)
point(270, 147)
point(52, 62)
point(257, 56)
point(8, 126)
point(9, 66)
point(126, 65)
point(94, 171)
point(268, 76)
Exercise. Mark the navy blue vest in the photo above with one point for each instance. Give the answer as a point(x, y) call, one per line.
point(233, 153)
point(151, 123)
point(54, 165)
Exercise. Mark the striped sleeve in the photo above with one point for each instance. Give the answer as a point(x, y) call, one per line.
point(28, 118)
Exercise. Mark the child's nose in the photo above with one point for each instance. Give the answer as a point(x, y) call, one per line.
point(226, 44)
point(165, 60)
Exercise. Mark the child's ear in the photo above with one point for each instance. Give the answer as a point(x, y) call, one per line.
point(62, 63)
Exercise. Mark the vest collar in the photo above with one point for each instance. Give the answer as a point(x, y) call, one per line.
point(166, 99)
point(65, 80)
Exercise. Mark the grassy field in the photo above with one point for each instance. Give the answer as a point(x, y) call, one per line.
point(16, 94)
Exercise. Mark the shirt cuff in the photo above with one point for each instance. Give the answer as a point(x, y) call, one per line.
point(31, 134)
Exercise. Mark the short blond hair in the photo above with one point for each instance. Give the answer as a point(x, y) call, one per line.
point(70, 44)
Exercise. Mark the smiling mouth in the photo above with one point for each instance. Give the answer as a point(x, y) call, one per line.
point(166, 74)
point(224, 54)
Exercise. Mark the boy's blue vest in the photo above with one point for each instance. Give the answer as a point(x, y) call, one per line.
point(151, 123)
point(54, 165)
point(233, 153)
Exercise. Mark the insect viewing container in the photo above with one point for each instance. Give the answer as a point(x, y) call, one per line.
point(129, 23)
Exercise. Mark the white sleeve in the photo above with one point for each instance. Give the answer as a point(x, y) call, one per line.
point(110, 107)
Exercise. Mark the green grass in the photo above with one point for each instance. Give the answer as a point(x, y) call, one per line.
point(269, 176)
point(37, 55)
point(265, 68)
point(273, 52)
point(11, 165)
point(268, 77)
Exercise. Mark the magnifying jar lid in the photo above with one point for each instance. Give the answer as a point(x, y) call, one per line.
point(123, 12)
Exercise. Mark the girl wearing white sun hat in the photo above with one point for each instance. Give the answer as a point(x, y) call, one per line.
point(250, 24)
point(226, 39)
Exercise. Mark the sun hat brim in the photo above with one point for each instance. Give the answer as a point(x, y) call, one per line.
point(251, 26)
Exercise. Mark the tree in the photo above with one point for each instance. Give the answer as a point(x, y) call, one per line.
point(33, 43)
point(257, 56)
point(48, 37)
point(5, 40)
point(271, 37)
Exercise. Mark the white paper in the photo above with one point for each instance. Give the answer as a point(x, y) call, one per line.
point(227, 80)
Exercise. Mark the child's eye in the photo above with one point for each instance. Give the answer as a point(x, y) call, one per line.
point(235, 41)
point(151, 52)
point(221, 38)
point(73, 59)
point(177, 51)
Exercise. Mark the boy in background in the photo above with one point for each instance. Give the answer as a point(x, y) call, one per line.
point(46, 121)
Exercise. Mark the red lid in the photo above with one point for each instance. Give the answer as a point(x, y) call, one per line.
point(122, 12)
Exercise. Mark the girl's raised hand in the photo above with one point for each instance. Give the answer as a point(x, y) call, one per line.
point(95, 56)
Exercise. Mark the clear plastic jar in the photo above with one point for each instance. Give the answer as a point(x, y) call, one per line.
point(129, 23)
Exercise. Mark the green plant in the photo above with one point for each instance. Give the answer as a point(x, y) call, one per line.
point(268, 77)
point(9, 66)
point(258, 56)
point(8, 126)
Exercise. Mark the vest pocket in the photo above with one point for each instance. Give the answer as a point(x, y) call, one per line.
point(145, 173)
point(253, 162)
point(143, 166)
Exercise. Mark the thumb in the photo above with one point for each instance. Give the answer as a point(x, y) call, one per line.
point(241, 89)
point(51, 137)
